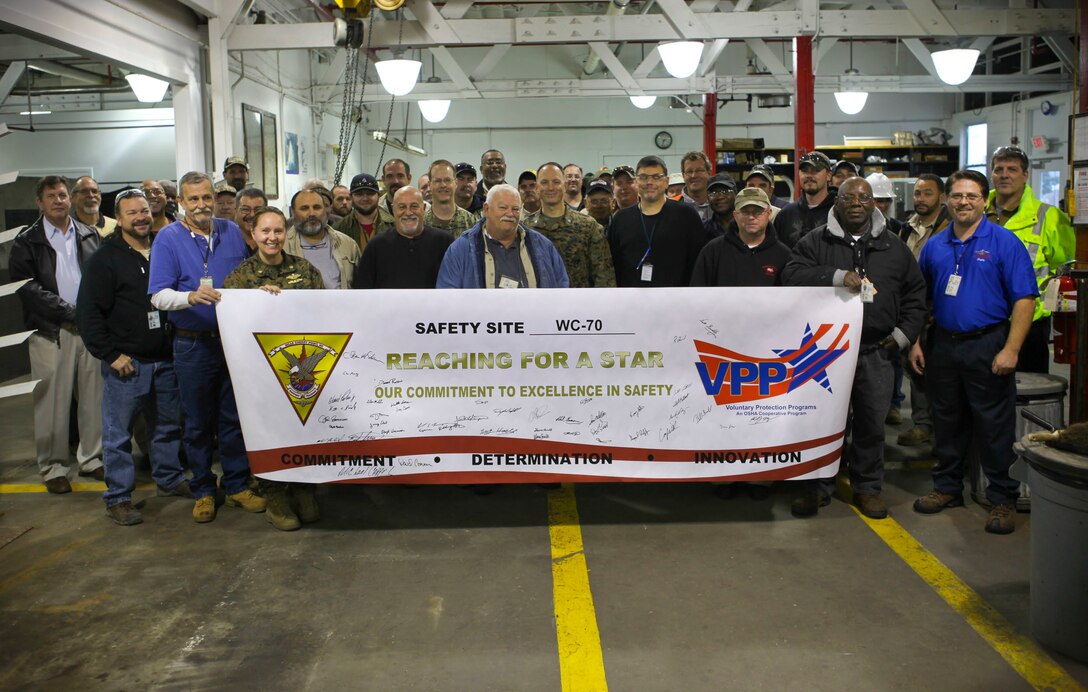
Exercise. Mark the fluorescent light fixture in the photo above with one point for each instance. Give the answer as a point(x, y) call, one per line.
point(955, 65)
point(147, 89)
point(851, 102)
point(643, 102)
point(398, 75)
point(681, 58)
point(389, 141)
point(434, 110)
point(35, 112)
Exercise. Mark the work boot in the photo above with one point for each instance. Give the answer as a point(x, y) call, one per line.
point(247, 500)
point(182, 489)
point(1002, 519)
point(125, 514)
point(935, 501)
point(305, 503)
point(204, 509)
point(894, 417)
point(808, 504)
point(279, 513)
point(915, 437)
point(870, 505)
point(58, 485)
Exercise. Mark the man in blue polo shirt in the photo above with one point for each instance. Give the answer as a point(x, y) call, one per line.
point(978, 275)
point(191, 257)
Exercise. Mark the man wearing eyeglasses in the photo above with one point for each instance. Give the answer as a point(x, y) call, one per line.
point(158, 202)
point(797, 219)
point(978, 278)
point(721, 194)
point(87, 204)
point(855, 250)
point(656, 242)
point(1045, 231)
point(696, 169)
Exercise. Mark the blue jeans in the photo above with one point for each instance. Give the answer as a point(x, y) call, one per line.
point(207, 398)
point(152, 389)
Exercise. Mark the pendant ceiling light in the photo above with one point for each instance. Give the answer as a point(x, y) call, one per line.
point(681, 58)
point(850, 101)
point(147, 89)
point(643, 102)
point(398, 75)
point(434, 110)
point(955, 65)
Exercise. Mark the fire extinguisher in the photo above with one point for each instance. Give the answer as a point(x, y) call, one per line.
point(1062, 294)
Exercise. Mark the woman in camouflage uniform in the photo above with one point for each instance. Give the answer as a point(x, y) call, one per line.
point(271, 269)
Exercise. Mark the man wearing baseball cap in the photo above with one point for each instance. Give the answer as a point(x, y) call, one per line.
point(624, 189)
point(236, 172)
point(367, 218)
point(599, 203)
point(721, 193)
point(762, 176)
point(810, 211)
point(530, 193)
point(843, 169)
point(465, 194)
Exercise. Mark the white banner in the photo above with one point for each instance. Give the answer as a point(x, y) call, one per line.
point(478, 386)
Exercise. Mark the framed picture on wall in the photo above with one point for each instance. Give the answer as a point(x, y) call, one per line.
point(290, 152)
point(261, 139)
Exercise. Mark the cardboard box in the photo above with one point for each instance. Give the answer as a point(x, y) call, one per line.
point(756, 143)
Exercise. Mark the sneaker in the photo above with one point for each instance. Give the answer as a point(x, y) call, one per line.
point(204, 509)
point(182, 489)
point(58, 485)
point(279, 513)
point(894, 417)
point(305, 504)
point(870, 505)
point(915, 437)
point(247, 500)
point(99, 474)
point(125, 514)
point(808, 504)
point(935, 501)
point(1002, 519)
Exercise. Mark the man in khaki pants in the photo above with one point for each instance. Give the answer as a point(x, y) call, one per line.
point(50, 254)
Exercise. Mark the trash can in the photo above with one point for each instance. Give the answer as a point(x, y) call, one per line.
point(1044, 395)
point(1059, 548)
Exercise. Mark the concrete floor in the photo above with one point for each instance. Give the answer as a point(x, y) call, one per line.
point(436, 588)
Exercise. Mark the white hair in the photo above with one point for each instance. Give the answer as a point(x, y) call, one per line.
point(503, 187)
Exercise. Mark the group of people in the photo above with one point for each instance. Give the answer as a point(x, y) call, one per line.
point(126, 319)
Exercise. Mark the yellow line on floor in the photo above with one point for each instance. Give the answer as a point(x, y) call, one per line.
point(581, 663)
point(43, 563)
point(89, 487)
point(1025, 656)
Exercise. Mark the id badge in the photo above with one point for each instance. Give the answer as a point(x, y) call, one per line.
point(953, 286)
point(647, 272)
point(207, 281)
point(867, 291)
point(153, 321)
point(507, 282)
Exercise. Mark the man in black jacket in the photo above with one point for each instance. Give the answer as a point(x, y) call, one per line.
point(132, 339)
point(856, 251)
point(50, 254)
point(798, 218)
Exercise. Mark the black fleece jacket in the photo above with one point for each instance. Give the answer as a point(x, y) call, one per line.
point(728, 261)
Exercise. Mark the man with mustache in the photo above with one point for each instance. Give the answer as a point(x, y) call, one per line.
point(810, 211)
point(333, 253)
point(572, 193)
point(530, 192)
point(499, 252)
point(158, 202)
point(856, 250)
point(86, 205)
point(492, 170)
point(224, 201)
point(123, 330)
point(193, 256)
point(367, 218)
point(51, 254)
point(396, 173)
point(341, 200)
point(409, 257)
point(247, 202)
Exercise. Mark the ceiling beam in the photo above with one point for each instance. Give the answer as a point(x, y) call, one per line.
point(1063, 50)
point(11, 78)
point(680, 16)
point(619, 72)
point(929, 16)
point(490, 61)
point(17, 47)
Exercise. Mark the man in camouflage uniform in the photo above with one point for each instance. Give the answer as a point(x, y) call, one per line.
point(579, 239)
point(444, 213)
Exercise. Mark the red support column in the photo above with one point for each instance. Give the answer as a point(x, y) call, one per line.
point(804, 103)
point(1078, 374)
point(710, 130)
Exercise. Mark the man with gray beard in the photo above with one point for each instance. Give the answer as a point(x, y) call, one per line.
point(334, 254)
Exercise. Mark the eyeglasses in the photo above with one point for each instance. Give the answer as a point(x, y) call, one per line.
point(961, 196)
point(856, 199)
point(720, 192)
point(648, 177)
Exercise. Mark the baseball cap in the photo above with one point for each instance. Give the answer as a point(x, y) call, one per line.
point(364, 181)
point(599, 186)
point(752, 197)
point(853, 167)
point(223, 187)
point(817, 159)
point(722, 180)
point(763, 171)
point(235, 161)
point(464, 168)
point(527, 175)
point(625, 170)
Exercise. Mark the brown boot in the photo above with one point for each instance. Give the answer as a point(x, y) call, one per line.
point(305, 503)
point(278, 510)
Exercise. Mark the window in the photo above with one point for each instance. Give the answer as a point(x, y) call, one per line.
point(977, 152)
point(259, 132)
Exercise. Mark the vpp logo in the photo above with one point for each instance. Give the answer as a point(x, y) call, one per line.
point(732, 377)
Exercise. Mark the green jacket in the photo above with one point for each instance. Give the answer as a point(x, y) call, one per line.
point(349, 226)
point(1047, 234)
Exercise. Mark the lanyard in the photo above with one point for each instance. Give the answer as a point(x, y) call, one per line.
point(960, 252)
point(649, 235)
point(859, 248)
point(205, 249)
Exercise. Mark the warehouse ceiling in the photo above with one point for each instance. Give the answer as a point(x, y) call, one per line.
point(580, 48)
